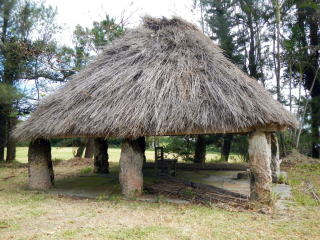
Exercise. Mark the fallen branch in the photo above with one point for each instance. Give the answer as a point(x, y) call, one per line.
point(206, 166)
point(6, 178)
point(198, 193)
point(312, 191)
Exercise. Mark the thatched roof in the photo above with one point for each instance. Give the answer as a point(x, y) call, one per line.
point(162, 78)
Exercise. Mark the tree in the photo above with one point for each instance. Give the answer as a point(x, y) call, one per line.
point(181, 147)
point(8, 94)
point(200, 149)
point(277, 4)
point(26, 30)
point(226, 147)
point(219, 15)
point(307, 26)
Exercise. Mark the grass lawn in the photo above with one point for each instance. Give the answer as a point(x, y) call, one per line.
point(27, 214)
point(65, 153)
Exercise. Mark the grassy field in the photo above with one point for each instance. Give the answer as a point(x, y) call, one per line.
point(65, 153)
point(27, 214)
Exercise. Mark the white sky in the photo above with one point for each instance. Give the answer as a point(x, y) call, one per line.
point(84, 12)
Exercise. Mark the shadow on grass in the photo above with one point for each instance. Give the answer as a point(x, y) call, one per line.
point(13, 164)
point(89, 185)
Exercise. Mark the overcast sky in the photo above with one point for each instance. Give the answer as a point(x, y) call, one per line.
point(73, 12)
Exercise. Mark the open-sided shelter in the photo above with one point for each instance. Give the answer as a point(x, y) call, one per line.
point(163, 78)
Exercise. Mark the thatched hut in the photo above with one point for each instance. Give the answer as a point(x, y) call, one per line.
point(162, 78)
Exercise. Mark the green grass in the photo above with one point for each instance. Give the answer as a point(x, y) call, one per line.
point(86, 170)
point(149, 232)
point(301, 178)
point(29, 214)
point(65, 153)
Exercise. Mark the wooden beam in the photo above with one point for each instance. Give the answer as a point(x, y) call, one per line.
point(101, 164)
point(259, 161)
point(205, 166)
point(131, 161)
point(40, 169)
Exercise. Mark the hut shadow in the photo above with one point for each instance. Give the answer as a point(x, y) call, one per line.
point(224, 179)
point(87, 184)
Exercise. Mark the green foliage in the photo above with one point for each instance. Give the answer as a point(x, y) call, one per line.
point(218, 18)
point(27, 28)
point(8, 94)
point(282, 179)
point(240, 146)
point(26, 34)
point(106, 31)
point(93, 39)
point(181, 147)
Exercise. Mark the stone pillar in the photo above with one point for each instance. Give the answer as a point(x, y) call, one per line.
point(89, 148)
point(260, 160)
point(101, 164)
point(131, 161)
point(275, 159)
point(40, 165)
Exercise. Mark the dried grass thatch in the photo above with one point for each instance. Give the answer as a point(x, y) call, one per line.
point(162, 78)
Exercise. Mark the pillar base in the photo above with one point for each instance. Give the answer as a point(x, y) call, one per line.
point(131, 161)
point(260, 159)
point(40, 168)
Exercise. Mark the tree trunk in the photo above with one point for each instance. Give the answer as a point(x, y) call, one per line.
point(290, 86)
point(307, 17)
point(89, 148)
point(225, 149)
point(260, 160)
point(131, 161)
point(80, 143)
point(101, 164)
point(312, 79)
point(200, 151)
point(11, 143)
point(11, 150)
point(315, 124)
point(142, 143)
point(275, 159)
point(40, 165)
point(80, 151)
point(282, 145)
point(3, 132)
point(252, 46)
point(276, 54)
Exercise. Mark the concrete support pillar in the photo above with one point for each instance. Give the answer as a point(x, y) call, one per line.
point(131, 161)
point(101, 164)
point(40, 169)
point(260, 160)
